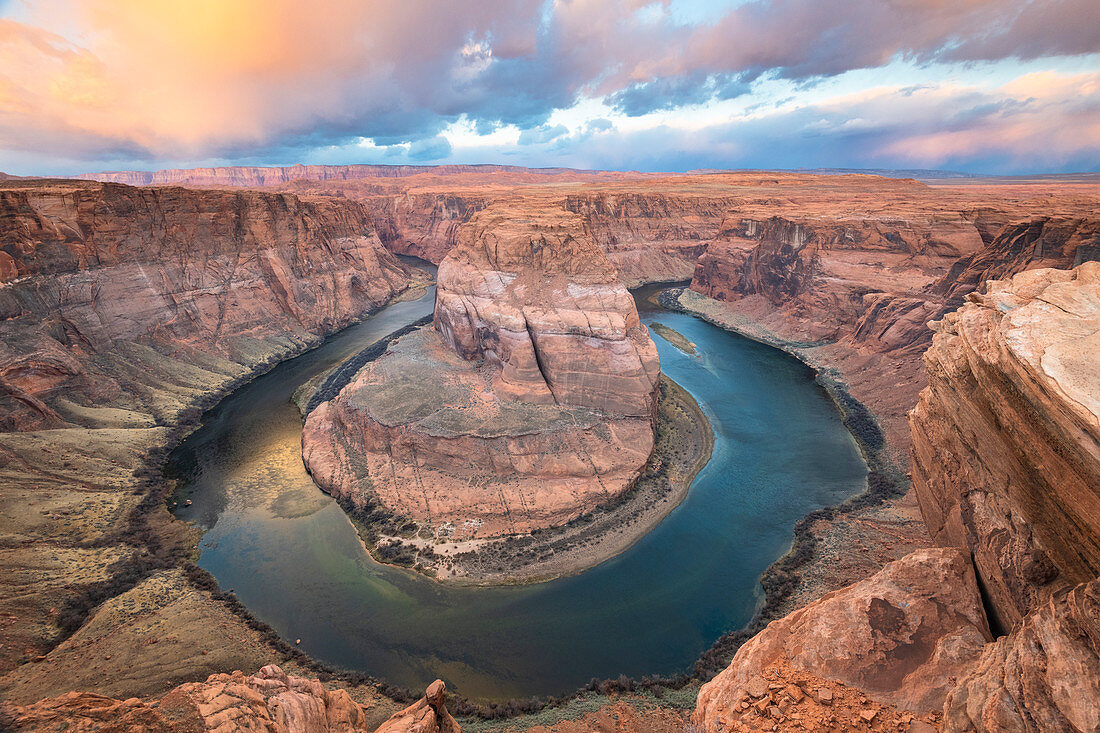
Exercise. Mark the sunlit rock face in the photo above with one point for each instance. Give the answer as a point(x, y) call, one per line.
point(269, 700)
point(1005, 457)
point(528, 403)
point(530, 292)
point(902, 636)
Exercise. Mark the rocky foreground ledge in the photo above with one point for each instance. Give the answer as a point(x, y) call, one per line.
point(269, 701)
point(529, 402)
point(1006, 460)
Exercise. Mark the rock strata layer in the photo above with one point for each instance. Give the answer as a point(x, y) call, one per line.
point(1005, 438)
point(530, 402)
point(112, 289)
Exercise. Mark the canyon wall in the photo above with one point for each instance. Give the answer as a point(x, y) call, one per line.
point(124, 312)
point(110, 289)
point(531, 292)
point(1006, 468)
point(529, 402)
point(874, 281)
point(1006, 438)
point(257, 176)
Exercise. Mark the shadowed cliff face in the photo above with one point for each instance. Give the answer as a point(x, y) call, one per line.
point(112, 287)
point(530, 402)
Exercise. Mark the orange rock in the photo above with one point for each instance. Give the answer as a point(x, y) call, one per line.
point(530, 403)
point(902, 636)
point(1004, 438)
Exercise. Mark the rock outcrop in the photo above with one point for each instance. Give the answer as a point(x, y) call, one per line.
point(529, 403)
point(877, 282)
point(269, 701)
point(902, 636)
point(1044, 676)
point(1005, 438)
point(170, 278)
point(531, 293)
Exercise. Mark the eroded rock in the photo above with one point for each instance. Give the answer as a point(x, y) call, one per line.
point(270, 701)
point(1005, 457)
point(530, 402)
point(902, 637)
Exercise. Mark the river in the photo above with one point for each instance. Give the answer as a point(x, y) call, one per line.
point(292, 557)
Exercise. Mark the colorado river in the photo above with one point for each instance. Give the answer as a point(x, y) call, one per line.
point(292, 557)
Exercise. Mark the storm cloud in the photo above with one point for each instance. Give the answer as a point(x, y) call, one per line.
point(97, 81)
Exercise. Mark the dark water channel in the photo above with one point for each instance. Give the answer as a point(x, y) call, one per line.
point(292, 557)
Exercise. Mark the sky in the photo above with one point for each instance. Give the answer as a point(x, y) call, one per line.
point(981, 86)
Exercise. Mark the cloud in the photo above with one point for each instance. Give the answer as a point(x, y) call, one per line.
point(542, 134)
point(109, 80)
point(672, 92)
point(435, 148)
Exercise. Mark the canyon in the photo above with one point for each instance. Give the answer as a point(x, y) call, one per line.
point(127, 310)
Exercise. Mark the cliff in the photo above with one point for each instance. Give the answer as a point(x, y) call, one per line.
point(257, 176)
point(126, 313)
point(1006, 468)
point(531, 401)
point(876, 282)
point(902, 637)
point(171, 278)
point(1005, 437)
point(531, 292)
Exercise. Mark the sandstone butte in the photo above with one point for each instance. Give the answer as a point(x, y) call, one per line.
point(126, 310)
point(529, 402)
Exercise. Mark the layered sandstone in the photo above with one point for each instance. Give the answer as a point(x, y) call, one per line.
point(902, 636)
point(530, 292)
point(169, 277)
point(1005, 457)
point(1045, 676)
point(270, 701)
point(529, 403)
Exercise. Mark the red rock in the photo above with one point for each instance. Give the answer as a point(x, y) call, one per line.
point(1044, 676)
point(530, 291)
point(1004, 438)
point(902, 636)
point(110, 272)
point(428, 715)
point(269, 701)
point(530, 403)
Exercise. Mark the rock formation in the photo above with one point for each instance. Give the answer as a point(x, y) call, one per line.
point(97, 270)
point(1044, 676)
point(269, 701)
point(529, 403)
point(1005, 458)
point(902, 636)
point(530, 292)
point(1006, 467)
